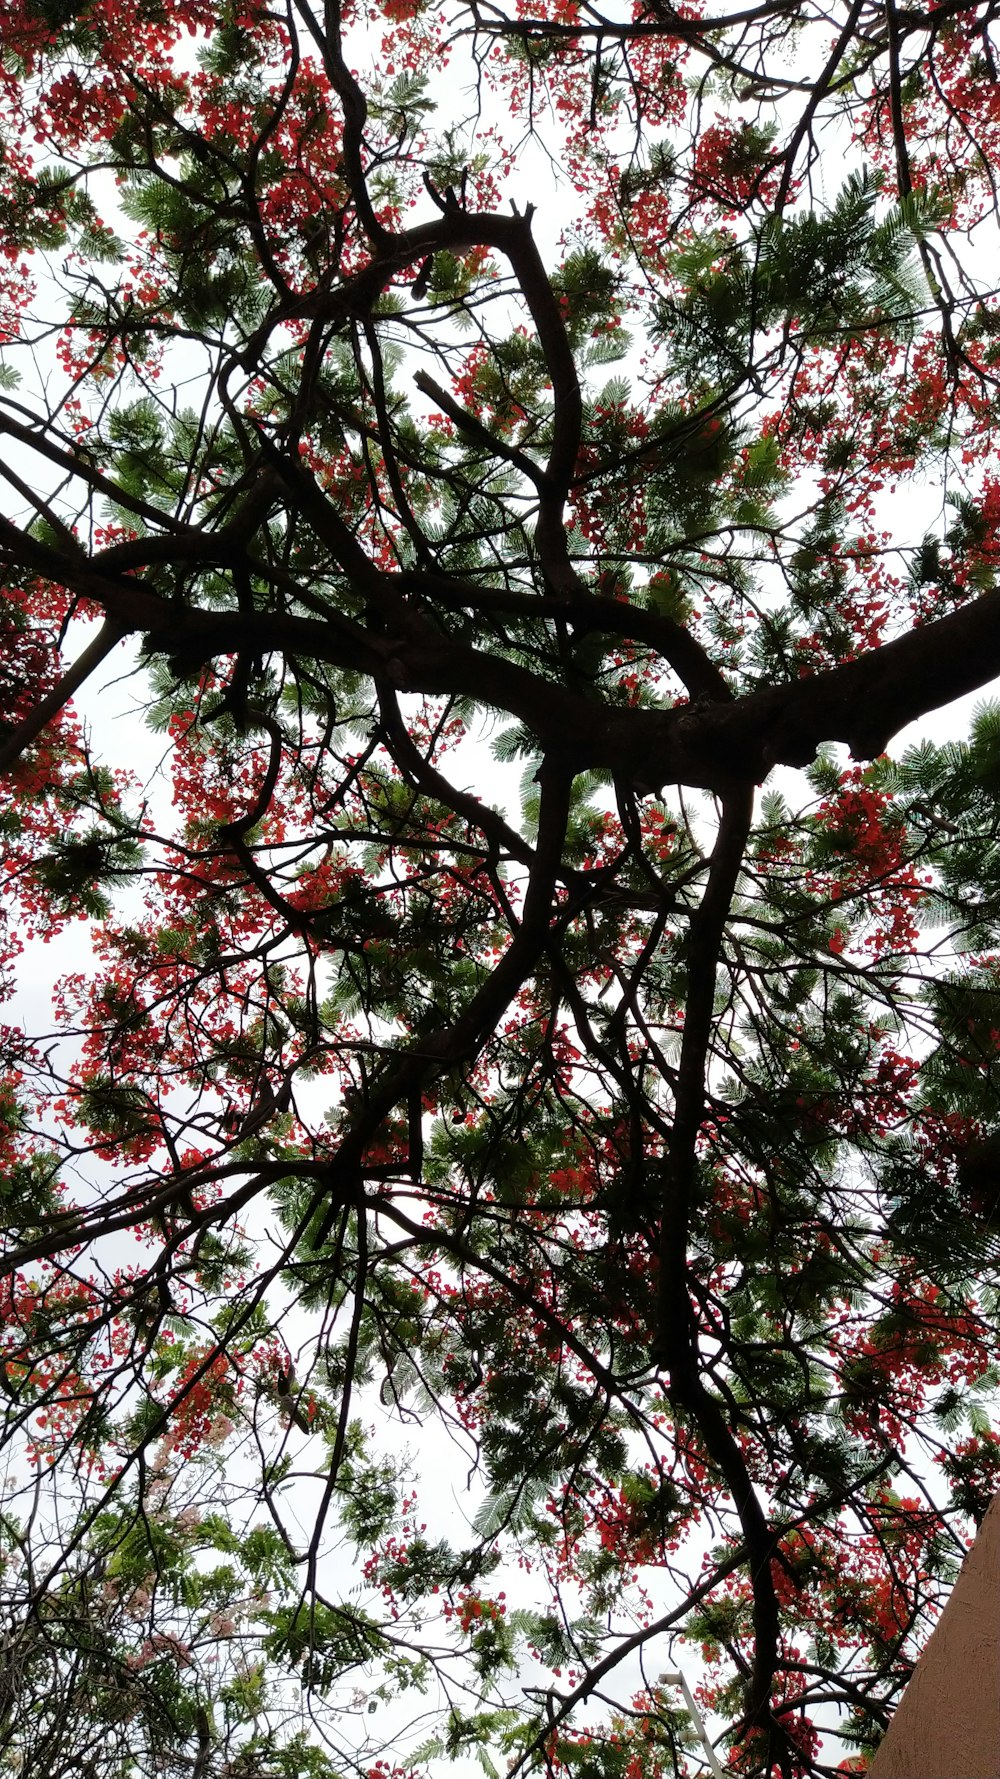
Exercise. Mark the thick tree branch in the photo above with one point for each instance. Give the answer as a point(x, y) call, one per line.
point(716, 746)
point(89, 659)
point(677, 1333)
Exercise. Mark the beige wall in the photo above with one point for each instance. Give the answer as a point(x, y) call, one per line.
point(947, 1723)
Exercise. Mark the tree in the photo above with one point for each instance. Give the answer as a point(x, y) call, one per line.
point(642, 1141)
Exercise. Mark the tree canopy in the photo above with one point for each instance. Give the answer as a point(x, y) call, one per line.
point(469, 1250)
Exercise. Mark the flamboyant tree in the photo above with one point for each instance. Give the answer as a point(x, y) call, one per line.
point(467, 1251)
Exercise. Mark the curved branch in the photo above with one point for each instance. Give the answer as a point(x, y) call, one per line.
point(677, 1332)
